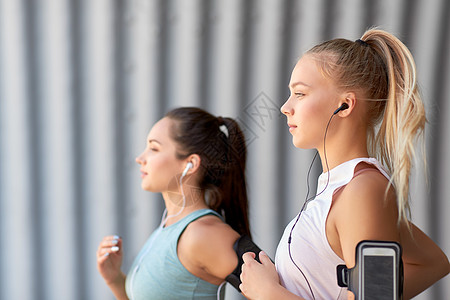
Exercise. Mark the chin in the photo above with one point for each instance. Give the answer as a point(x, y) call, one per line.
point(300, 145)
point(297, 143)
point(146, 187)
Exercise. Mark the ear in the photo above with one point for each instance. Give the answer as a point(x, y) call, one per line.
point(195, 160)
point(348, 98)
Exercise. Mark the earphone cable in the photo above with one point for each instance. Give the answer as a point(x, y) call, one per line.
point(309, 199)
point(164, 219)
point(183, 203)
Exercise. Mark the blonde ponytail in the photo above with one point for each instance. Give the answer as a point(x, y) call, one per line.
point(404, 118)
point(383, 69)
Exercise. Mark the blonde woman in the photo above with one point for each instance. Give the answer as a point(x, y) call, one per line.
point(358, 104)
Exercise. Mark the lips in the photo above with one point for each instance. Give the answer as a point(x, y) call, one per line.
point(143, 174)
point(292, 126)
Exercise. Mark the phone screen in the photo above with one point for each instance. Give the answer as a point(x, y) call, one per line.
point(379, 277)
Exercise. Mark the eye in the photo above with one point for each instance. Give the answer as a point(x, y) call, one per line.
point(298, 94)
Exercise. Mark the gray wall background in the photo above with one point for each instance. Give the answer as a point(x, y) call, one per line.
point(82, 82)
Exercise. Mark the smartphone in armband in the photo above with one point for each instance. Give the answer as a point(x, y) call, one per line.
point(242, 245)
point(377, 274)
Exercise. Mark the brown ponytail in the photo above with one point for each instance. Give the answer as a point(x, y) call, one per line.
point(221, 146)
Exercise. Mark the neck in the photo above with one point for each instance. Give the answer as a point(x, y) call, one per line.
point(177, 208)
point(343, 147)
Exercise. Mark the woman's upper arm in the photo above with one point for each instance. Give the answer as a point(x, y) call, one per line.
point(210, 246)
point(363, 213)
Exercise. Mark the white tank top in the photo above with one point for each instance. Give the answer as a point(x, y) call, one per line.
point(310, 249)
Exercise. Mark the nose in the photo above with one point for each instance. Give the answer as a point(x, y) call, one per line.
point(286, 108)
point(140, 159)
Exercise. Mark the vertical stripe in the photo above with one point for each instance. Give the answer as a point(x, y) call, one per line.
point(82, 82)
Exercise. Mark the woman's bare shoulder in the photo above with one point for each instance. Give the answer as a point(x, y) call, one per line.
point(208, 244)
point(363, 210)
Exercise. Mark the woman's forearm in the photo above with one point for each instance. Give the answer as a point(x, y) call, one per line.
point(118, 287)
point(424, 262)
point(418, 278)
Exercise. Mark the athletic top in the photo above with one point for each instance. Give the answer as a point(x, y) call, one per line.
point(309, 247)
point(157, 272)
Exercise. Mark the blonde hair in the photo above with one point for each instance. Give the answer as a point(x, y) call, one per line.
point(383, 70)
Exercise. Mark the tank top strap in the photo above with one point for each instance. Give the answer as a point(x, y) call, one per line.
point(181, 225)
point(374, 166)
point(364, 170)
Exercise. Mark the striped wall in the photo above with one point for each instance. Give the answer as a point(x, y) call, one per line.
point(82, 81)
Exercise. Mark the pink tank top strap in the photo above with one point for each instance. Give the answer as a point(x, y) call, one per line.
point(359, 172)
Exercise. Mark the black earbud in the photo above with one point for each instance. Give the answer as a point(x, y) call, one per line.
point(344, 106)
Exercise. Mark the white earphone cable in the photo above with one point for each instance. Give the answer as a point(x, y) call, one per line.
point(164, 219)
point(183, 203)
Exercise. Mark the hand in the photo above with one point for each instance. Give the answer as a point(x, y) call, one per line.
point(258, 278)
point(109, 258)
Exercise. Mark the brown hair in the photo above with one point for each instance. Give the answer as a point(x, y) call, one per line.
point(223, 158)
point(382, 69)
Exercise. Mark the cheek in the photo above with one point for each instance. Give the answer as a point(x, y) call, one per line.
point(162, 175)
point(310, 130)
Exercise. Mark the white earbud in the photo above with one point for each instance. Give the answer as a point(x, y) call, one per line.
point(188, 166)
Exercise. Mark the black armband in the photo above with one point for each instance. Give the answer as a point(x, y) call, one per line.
point(242, 245)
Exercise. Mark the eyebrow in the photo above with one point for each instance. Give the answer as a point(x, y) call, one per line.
point(154, 141)
point(298, 83)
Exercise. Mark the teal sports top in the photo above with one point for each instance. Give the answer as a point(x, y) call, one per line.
point(157, 272)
